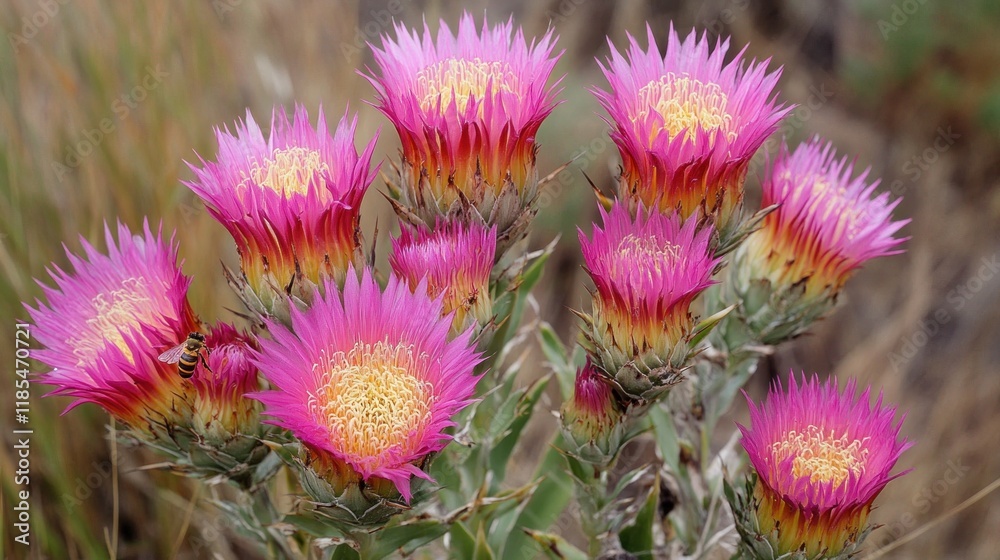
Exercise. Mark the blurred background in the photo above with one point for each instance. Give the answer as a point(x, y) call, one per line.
point(103, 102)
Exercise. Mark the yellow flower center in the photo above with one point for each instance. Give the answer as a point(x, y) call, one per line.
point(371, 398)
point(114, 312)
point(649, 252)
point(291, 171)
point(822, 456)
point(459, 79)
point(686, 104)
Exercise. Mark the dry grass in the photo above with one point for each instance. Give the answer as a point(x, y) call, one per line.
point(222, 57)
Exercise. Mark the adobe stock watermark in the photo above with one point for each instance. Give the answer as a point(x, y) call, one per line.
point(379, 21)
point(33, 22)
point(921, 503)
point(819, 96)
point(955, 300)
point(223, 7)
point(725, 17)
point(899, 15)
point(564, 10)
point(915, 167)
point(84, 487)
point(89, 139)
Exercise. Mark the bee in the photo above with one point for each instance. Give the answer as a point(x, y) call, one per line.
point(187, 354)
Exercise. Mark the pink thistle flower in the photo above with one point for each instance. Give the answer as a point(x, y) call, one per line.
point(467, 107)
point(687, 123)
point(106, 323)
point(291, 202)
point(647, 271)
point(821, 457)
point(222, 408)
point(368, 381)
point(456, 260)
point(829, 223)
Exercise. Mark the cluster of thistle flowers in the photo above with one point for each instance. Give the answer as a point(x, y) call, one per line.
point(366, 377)
point(687, 124)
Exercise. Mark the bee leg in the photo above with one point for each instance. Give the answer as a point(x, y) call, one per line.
point(204, 361)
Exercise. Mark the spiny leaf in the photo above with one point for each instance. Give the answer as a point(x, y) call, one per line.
point(637, 538)
point(555, 546)
point(482, 550)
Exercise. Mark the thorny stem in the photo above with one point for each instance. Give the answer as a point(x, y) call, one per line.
point(592, 496)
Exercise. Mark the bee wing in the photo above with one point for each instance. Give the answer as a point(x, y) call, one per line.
point(173, 355)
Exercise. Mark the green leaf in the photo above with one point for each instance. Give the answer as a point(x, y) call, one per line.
point(501, 452)
point(288, 452)
point(504, 524)
point(528, 279)
point(638, 537)
point(413, 533)
point(627, 480)
point(546, 504)
point(666, 437)
point(561, 363)
point(267, 468)
point(344, 552)
point(462, 544)
point(555, 546)
point(312, 526)
point(702, 329)
point(482, 551)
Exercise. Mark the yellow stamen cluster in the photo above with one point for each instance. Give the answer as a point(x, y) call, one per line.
point(290, 171)
point(373, 398)
point(822, 456)
point(114, 312)
point(686, 104)
point(459, 79)
point(650, 251)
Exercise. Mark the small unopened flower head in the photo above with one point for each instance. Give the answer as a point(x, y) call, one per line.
point(291, 202)
point(647, 270)
point(222, 408)
point(369, 382)
point(687, 123)
point(829, 222)
point(821, 457)
point(456, 260)
point(106, 322)
point(592, 420)
point(467, 107)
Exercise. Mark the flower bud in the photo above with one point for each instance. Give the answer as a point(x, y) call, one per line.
point(456, 260)
point(592, 423)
